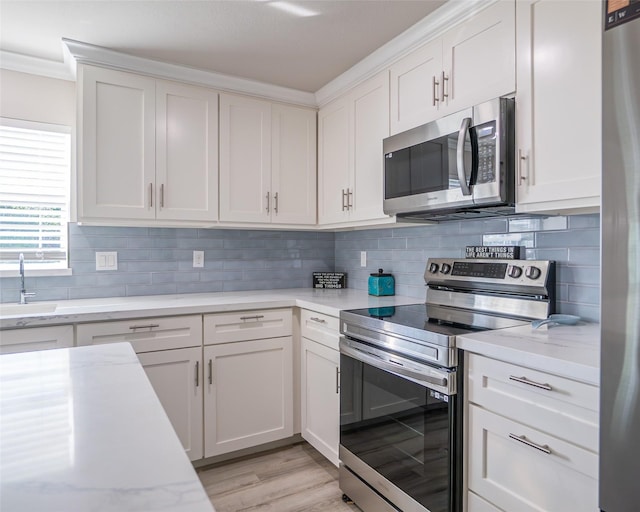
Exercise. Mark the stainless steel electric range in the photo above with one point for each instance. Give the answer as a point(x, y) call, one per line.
point(401, 380)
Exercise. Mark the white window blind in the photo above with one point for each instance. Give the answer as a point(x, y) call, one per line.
point(35, 163)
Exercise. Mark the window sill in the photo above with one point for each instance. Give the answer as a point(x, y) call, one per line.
point(37, 273)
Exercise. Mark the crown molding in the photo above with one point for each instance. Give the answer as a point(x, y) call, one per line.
point(36, 66)
point(85, 53)
point(429, 28)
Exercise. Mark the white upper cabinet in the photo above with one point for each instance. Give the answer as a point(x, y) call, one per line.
point(558, 106)
point(148, 149)
point(350, 160)
point(471, 63)
point(267, 162)
point(186, 152)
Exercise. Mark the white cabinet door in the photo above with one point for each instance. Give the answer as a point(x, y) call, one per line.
point(518, 468)
point(334, 155)
point(320, 382)
point(186, 152)
point(293, 168)
point(36, 338)
point(245, 159)
point(176, 377)
point(558, 105)
point(479, 58)
point(416, 82)
point(248, 394)
point(117, 141)
point(370, 103)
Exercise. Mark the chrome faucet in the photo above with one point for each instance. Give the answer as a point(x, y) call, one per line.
point(23, 292)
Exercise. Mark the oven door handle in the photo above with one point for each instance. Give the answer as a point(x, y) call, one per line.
point(462, 174)
point(431, 377)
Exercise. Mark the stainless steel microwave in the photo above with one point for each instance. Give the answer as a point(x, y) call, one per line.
point(459, 166)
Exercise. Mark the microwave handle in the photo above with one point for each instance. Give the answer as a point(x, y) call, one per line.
point(462, 175)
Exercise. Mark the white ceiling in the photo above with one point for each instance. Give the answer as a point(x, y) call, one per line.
point(244, 38)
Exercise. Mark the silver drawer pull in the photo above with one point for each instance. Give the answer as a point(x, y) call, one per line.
point(197, 373)
point(144, 326)
point(524, 380)
point(253, 317)
point(319, 320)
point(522, 439)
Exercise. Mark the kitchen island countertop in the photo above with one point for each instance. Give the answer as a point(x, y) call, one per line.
point(571, 351)
point(82, 429)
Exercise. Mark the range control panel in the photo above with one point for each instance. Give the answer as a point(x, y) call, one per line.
point(512, 272)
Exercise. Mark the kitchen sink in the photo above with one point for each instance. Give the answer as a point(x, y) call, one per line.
point(34, 308)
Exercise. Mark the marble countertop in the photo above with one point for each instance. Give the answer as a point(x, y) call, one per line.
point(568, 351)
point(329, 302)
point(82, 429)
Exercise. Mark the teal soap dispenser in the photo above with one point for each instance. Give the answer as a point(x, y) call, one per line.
point(381, 284)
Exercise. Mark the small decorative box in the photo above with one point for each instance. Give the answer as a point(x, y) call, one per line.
point(381, 284)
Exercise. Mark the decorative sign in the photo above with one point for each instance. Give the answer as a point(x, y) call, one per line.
point(335, 280)
point(495, 252)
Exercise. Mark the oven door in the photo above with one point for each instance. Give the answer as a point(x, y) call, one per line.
point(399, 429)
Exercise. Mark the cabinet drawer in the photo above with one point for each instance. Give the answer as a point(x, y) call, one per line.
point(247, 325)
point(519, 468)
point(145, 334)
point(556, 405)
point(322, 328)
point(36, 338)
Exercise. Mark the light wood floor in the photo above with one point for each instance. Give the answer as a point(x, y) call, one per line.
point(291, 479)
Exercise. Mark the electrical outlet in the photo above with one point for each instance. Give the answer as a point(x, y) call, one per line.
point(363, 258)
point(198, 259)
point(106, 260)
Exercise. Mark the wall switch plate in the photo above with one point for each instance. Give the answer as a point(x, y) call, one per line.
point(198, 259)
point(363, 258)
point(106, 260)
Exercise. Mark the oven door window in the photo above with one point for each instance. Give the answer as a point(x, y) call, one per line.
point(427, 167)
point(402, 430)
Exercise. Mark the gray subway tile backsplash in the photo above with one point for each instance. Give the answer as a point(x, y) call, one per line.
point(160, 260)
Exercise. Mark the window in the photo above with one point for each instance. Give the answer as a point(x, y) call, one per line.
point(35, 163)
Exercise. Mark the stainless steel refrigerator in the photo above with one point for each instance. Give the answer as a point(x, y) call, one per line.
point(620, 217)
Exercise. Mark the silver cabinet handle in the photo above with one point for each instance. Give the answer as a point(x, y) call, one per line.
point(150, 194)
point(445, 87)
point(436, 98)
point(197, 373)
point(523, 439)
point(268, 202)
point(162, 196)
point(344, 206)
point(349, 197)
point(319, 320)
point(253, 317)
point(462, 175)
point(143, 326)
point(275, 200)
point(337, 380)
point(210, 372)
point(524, 380)
point(521, 158)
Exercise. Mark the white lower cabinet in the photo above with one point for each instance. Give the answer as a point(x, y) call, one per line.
point(249, 394)
point(36, 338)
point(170, 351)
point(320, 382)
point(176, 376)
point(531, 440)
point(320, 374)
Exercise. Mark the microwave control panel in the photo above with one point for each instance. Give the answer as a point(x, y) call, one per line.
point(487, 148)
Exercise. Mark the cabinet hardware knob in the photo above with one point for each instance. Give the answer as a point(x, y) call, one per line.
point(197, 373)
point(162, 196)
point(524, 380)
point(151, 195)
point(436, 99)
point(210, 372)
point(319, 320)
point(445, 86)
point(523, 439)
point(252, 317)
point(275, 200)
point(267, 202)
point(344, 206)
point(521, 158)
